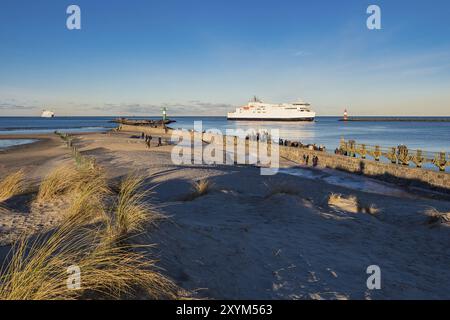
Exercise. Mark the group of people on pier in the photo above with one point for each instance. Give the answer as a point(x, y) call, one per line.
point(295, 144)
point(259, 136)
point(148, 140)
point(315, 160)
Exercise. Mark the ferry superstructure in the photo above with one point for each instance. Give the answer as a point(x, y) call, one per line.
point(47, 114)
point(256, 110)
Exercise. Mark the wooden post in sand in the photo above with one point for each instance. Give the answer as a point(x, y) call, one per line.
point(440, 161)
point(362, 151)
point(352, 148)
point(403, 155)
point(392, 155)
point(418, 159)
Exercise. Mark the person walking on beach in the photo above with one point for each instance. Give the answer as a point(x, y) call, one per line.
point(159, 142)
point(147, 141)
point(150, 140)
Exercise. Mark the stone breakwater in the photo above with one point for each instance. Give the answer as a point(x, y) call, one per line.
point(384, 171)
point(403, 175)
point(390, 119)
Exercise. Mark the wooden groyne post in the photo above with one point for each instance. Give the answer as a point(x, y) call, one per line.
point(401, 154)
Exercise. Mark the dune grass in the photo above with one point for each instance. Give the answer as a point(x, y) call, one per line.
point(39, 266)
point(11, 185)
point(94, 237)
point(334, 198)
point(57, 182)
point(69, 179)
point(199, 188)
point(88, 203)
point(275, 188)
point(130, 213)
point(202, 187)
point(352, 204)
point(435, 217)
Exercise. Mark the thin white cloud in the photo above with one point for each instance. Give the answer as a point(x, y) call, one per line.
point(301, 53)
point(12, 106)
point(192, 107)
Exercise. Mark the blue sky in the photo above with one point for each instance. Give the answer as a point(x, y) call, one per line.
point(206, 57)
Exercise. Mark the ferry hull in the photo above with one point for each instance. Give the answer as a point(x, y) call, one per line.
point(271, 119)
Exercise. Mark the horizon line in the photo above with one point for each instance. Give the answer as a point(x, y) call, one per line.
point(202, 115)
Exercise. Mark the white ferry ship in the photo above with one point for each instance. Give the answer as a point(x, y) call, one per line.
point(258, 110)
point(47, 114)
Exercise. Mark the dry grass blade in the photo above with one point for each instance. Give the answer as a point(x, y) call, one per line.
point(89, 173)
point(131, 213)
point(11, 185)
point(69, 179)
point(280, 188)
point(199, 188)
point(58, 182)
point(202, 187)
point(87, 204)
point(334, 199)
point(352, 204)
point(436, 217)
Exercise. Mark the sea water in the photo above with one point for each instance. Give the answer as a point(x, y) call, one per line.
point(7, 143)
point(327, 131)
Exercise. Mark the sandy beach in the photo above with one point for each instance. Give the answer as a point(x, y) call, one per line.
point(253, 236)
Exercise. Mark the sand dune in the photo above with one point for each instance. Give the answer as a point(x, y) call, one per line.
point(249, 239)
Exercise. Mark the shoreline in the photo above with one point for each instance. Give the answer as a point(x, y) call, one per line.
point(39, 141)
point(34, 158)
point(29, 141)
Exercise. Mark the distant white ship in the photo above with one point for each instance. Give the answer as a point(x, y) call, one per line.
point(47, 114)
point(258, 110)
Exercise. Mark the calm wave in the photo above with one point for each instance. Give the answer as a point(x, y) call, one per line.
point(7, 143)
